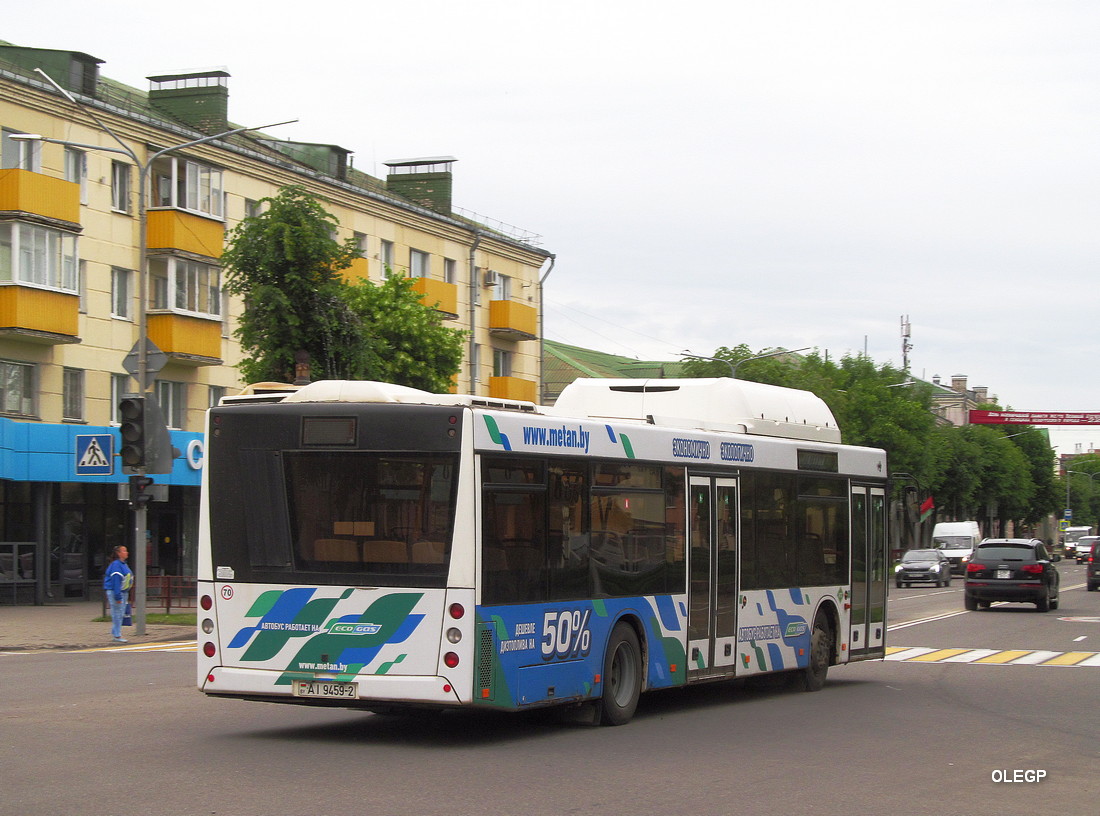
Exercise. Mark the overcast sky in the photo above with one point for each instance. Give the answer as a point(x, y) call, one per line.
point(713, 173)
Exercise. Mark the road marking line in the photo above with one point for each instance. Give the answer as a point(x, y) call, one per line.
point(169, 646)
point(994, 657)
point(1035, 658)
point(938, 655)
point(1069, 659)
point(971, 655)
point(1003, 657)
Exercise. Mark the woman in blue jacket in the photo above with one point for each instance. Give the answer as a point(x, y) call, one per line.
point(116, 583)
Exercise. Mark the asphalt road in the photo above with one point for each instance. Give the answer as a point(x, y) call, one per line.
point(125, 733)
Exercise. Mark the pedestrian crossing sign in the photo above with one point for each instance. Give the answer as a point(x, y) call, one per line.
point(95, 455)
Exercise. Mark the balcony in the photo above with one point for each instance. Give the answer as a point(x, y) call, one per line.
point(513, 388)
point(38, 315)
point(360, 268)
point(513, 321)
point(34, 193)
point(185, 339)
point(443, 297)
point(174, 229)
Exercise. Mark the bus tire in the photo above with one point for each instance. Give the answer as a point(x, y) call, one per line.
point(622, 676)
point(821, 647)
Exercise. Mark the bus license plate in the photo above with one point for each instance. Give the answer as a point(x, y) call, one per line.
point(1004, 573)
point(325, 688)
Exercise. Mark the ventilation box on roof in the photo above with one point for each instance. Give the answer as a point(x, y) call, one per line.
point(719, 404)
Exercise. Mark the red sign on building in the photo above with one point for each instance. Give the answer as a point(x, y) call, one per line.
point(1033, 418)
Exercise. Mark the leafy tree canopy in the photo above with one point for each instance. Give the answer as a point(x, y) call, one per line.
point(407, 342)
point(286, 264)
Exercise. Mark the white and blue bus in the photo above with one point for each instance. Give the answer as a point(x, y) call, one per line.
point(373, 546)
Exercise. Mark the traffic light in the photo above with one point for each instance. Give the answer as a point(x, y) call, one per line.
point(146, 443)
point(131, 415)
point(141, 491)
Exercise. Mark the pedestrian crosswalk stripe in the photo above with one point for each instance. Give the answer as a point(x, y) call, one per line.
point(998, 657)
point(170, 646)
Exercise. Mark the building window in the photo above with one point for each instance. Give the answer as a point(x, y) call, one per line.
point(181, 285)
point(172, 399)
point(122, 293)
point(450, 270)
point(215, 395)
point(76, 170)
point(419, 264)
point(386, 256)
point(360, 243)
point(187, 185)
point(502, 287)
point(73, 394)
point(120, 384)
point(252, 209)
point(502, 363)
point(19, 155)
point(17, 388)
point(38, 256)
point(120, 187)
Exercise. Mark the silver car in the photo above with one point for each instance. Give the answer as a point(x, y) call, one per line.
point(1084, 547)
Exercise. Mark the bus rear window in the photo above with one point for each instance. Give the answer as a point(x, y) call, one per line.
point(365, 513)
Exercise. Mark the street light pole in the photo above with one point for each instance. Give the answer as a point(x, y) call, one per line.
point(734, 366)
point(142, 378)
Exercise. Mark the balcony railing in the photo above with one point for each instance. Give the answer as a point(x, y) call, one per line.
point(174, 229)
point(186, 339)
point(513, 388)
point(39, 315)
point(512, 320)
point(24, 191)
point(443, 297)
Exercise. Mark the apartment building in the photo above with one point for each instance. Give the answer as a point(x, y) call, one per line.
point(70, 261)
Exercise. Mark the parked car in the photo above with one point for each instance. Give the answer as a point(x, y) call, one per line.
point(1084, 547)
point(1019, 570)
point(923, 566)
point(1092, 568)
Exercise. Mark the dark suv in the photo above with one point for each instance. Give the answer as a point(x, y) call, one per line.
point(1092, 568)
point(1012, 569)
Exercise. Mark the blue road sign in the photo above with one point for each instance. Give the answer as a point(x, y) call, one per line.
point(95, 455)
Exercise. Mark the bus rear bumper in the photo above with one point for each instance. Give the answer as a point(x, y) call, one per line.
point(257, 683)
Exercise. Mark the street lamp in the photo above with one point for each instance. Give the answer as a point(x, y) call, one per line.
point(734, 366)
point(142, 377)
point(1078, 473)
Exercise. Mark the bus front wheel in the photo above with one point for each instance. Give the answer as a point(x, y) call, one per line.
point(622, 676)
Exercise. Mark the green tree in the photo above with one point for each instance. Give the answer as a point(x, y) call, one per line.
point(286, 265)
point(407, 343)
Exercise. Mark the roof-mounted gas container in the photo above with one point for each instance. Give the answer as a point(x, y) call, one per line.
point(716, 404)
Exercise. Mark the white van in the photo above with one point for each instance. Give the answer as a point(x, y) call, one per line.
point(957, 540)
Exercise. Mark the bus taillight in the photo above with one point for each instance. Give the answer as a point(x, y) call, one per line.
point(208, 649)
point(456, 610)
point(450, 660)
point(207, 602)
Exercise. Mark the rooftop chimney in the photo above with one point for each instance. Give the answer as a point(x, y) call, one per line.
point(197, 98)
point(426, 181)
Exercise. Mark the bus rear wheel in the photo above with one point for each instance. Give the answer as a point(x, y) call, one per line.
point(821, 647)
point(622, 676)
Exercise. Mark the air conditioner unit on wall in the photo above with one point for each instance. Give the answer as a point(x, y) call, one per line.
point(491, 277)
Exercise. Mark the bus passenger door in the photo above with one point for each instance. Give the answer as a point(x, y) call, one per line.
point(712, 542)
point(867, 634)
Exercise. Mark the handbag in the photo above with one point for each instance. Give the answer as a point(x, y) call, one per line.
point(127, 616)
